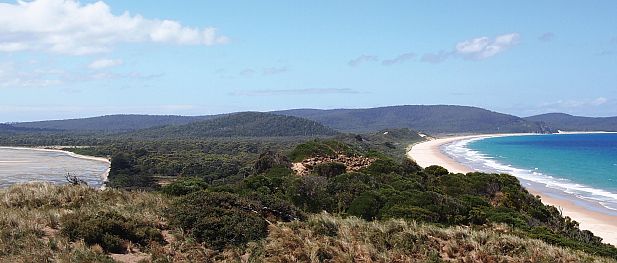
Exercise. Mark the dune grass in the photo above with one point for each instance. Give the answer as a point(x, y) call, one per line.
point(30, 219)
point(329, 238)
point(31, 224)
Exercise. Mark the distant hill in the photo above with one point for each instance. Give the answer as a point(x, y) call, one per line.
point(10, 129)
point(244, 124)
point(112, 123)
point(435, 119)
point(566, 122)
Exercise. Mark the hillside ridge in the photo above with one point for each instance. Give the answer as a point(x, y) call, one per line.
point(567, 122)
point(242, 124)
point(436, 119)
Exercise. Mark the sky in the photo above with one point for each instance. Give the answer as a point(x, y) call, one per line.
point(68, 59)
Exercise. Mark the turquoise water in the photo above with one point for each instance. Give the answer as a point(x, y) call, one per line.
point(584, 165)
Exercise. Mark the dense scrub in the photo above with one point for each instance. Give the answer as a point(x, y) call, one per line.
point(227, 199)
point(32, 230)
point(388, 190)
point(109, 229)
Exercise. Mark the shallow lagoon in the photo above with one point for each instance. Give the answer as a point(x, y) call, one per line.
point(31, 165)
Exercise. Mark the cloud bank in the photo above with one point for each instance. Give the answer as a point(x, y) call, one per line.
point(273, 92)
point(362, 59)
point(484, 47)
point(478, 48)
point(105, 63)
point(69, 27)
point(399, 59)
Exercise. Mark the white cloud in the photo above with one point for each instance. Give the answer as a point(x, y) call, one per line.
point(310, 91)
point(362, 59)
point(12, 77)
point(485, 47)
point(69, 27)
point(105, 63)
point(547, 37)
point(399, 59)
point(599, 101)
point(569, 104)
point(274, 70)
point(435, 58)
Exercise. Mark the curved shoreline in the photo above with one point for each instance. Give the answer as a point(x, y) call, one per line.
point(104, 175)
point(605, 226)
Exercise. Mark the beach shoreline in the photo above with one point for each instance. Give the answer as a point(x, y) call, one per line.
point(104, 175)
point(429, 152)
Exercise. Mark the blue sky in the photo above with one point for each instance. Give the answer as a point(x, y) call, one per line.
point(65, 59)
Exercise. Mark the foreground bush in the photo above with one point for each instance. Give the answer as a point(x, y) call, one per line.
point(218, 219)
point(185, 186)
point(326, 238)
point(110, 230)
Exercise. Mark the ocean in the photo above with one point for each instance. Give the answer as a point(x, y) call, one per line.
point(580, 165)
point(28, 165)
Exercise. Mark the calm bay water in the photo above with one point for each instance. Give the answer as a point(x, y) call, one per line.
point(27, 165)
point(583, 165)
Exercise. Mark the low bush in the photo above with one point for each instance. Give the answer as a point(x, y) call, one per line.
point(108, 229)
point(218, 219)
point(185, 186)
point(436, 170)
point(329, 169)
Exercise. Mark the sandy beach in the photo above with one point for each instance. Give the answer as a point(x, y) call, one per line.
point(603, 225)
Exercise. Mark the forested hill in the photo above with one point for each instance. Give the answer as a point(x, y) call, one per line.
point(10, 129)
point(566, 122)
point(244, 124)
point(112, 123)
point(436, 119)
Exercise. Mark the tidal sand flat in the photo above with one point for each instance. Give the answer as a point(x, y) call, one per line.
point(575, 172)
point(23, 165)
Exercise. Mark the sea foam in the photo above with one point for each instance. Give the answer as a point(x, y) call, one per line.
point(460, 151)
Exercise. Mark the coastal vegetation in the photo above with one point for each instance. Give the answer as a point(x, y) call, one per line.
point(262, 195)
point(38, 225)
point(240, 200)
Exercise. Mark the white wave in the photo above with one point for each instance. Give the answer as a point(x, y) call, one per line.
point(482, 162)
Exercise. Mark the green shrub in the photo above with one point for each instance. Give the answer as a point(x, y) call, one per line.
point(110, 230)
point(436, 170)
point(409, 212)
point(269, 160)
point(218, 219)
point(366, 206)
point(310, 149)
point(383, 166)
point(344, 188)
point(329, 169)
point(410, 166)
point(185, 186)
point(310, 193)
point(319, 148)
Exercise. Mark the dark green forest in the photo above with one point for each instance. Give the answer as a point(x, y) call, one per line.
point(433, 119)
